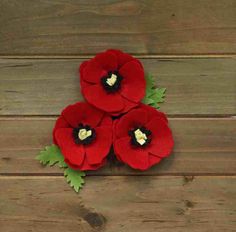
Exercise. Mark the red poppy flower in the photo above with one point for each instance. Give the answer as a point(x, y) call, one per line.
point(113, 81)
point(84, 136)
point(142, 137)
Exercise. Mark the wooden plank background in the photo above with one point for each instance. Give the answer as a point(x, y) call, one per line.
point(194, 86)
point(201, 146)
point(189, 46)
point(141, 27)
point(130, 204)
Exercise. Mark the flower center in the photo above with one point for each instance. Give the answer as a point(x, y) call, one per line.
point(83, 134)
point(140, 136)
point(112, 82)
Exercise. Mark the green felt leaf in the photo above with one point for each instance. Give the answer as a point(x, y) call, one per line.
point(74, 178)
point(51, 155)
point(154, 95)
point(149, 82)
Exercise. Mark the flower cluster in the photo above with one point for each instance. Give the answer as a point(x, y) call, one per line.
point(113, 85)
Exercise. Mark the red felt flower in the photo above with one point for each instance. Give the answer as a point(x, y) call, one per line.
point(84, 135)
point(113, 81)
point(142, 137)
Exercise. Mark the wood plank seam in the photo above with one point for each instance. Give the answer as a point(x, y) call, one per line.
point(21, 81)
point(159, 56)
point(202, 146)
point(56, 174)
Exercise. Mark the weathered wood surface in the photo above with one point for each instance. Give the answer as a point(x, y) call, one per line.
point(118, 204)
point(139, 27)
point(45, 87)
point(201, 146)
point(194, 189)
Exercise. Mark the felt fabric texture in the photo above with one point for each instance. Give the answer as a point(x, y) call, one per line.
point(113, 85)
point(78, 156)
point(132, 86)
point(161, 143)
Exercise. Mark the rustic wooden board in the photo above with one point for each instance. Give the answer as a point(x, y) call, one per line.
point(194, 189)
point(45, 87)
point(201, 146)
point(149, 204)
point(139, 27)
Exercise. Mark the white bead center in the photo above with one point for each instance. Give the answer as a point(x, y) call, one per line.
point(112, 80)
point(140, 136)
point(83, 134)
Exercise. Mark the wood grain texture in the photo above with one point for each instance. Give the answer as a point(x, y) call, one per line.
point(201, 146)
point(45, 86)
point(118, 204)
point(194, 189)
point(140, 27)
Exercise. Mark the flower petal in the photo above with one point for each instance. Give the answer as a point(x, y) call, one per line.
point(128, 105)
point(122, 57)
point(106, 121)
point(60, 123)
point(97, 96)
point(82, 66)
point(82, 112)
point(71, 151)
point(152, 112)
point(107, 60)
point(153, 159)
point(100, 147)
point(162, 140)
point(91, 71)
point(135, 118)
point(133, 83)
point(135, 157)
point(85, 166)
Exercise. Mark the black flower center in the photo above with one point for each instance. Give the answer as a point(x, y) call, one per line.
point(112, 82)
point(83, 134)
point(140, 136)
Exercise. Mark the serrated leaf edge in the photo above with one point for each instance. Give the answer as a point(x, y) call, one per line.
point(51, 163)
point(152, 91)
point(80, 185)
